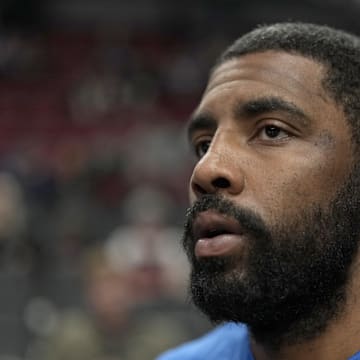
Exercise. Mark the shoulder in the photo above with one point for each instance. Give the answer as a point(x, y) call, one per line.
point(225, 342)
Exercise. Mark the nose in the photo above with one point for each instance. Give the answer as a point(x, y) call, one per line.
point(217, 172)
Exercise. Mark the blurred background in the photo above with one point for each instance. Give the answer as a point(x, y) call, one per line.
point(94, 95)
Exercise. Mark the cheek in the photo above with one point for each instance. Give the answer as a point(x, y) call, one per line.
point(299, 183)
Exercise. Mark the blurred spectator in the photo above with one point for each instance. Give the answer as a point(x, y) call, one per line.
point(13, 214)
point(96, 95)
point(157, 156)
point(121, 313)
point(13, 222)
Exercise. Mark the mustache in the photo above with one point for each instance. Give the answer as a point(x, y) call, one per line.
point(252, 224)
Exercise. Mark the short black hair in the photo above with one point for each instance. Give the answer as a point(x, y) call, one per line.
point(338, 51)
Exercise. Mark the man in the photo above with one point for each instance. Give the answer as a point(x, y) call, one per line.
point(274, 227)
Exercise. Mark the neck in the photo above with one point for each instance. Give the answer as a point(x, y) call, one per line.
point(339, 340)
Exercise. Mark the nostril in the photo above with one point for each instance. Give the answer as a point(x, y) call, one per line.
point(221, 183)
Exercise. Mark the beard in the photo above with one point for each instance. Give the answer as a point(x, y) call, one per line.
point(292, 280)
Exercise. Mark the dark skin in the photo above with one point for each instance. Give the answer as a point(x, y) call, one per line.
point(270, 138)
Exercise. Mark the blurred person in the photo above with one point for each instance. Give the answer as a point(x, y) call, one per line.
point(132, 297)
point(74, 338)
point(273, 231)
point(12, 207)
point(108, 291)
point(95, 96)
point(148, 246)
point(13, 219)
point(98, 332)
point(151, 166)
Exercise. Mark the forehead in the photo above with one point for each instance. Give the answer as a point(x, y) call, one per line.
point(276, 70)
point(274, 73)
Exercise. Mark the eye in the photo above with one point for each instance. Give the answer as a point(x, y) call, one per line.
point(201, 148)
point(273, 132)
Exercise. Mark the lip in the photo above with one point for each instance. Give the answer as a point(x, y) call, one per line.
point(216, 234)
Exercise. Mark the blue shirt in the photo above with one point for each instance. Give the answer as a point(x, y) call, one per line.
point(226, 342)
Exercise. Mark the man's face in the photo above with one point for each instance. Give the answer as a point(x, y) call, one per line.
point(272, 231)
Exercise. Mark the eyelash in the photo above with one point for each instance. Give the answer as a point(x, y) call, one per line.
point(197, 147)
point(199, 152)
point(280, 130)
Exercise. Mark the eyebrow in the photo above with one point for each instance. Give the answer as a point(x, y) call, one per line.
point(198, 122)
point(264, 105)
point(250, 109)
